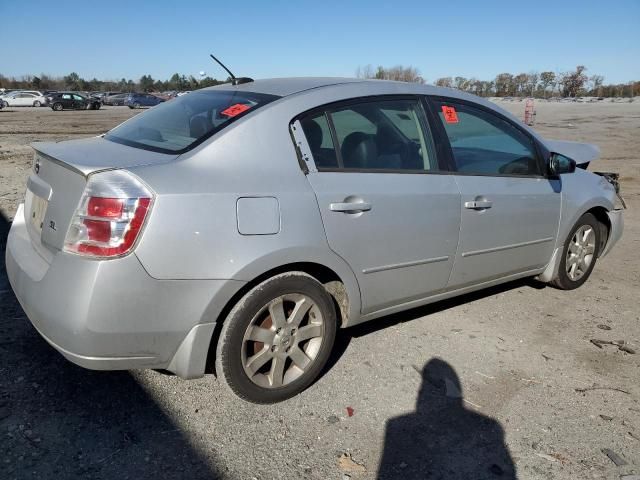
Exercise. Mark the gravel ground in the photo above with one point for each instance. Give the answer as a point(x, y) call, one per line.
point(502, 383)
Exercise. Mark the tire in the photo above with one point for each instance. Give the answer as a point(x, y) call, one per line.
point(37, 103)
point(96, 106)
point(248, 366)
point(579, 253)
point(131, 107)
point(57, 107)
point(136, 105)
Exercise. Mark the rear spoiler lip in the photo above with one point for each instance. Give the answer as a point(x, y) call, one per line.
point(581, 153)
point(93, 154)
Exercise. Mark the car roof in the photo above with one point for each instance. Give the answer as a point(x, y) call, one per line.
point(284, 87)
point(333, 86)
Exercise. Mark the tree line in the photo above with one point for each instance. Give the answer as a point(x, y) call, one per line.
point(533, 84)
point(547, 84)
point(74, 82)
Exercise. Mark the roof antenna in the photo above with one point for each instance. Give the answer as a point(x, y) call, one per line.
point(234, 80)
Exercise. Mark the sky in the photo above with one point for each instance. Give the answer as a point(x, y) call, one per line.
point(261, 39)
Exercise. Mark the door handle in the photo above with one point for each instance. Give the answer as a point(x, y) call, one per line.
point(350, 207)
point(478, 204)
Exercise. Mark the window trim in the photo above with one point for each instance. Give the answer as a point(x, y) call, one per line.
point(441, 132)
point(425, 123)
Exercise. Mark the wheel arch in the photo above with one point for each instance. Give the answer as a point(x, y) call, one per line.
point(602, 215)
point(338, 280)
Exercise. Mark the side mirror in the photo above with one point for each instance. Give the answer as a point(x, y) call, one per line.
point(559, 164)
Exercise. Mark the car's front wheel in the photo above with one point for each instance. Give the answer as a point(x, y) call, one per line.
point(277, 338)
point(579, 253)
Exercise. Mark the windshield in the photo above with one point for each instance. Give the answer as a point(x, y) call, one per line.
point(180, 124)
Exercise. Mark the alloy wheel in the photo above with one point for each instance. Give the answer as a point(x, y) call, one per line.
point(582, 248)
point(282, 341)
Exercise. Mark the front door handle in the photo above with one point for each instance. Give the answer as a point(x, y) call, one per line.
point(478, 204)
point(350, 207)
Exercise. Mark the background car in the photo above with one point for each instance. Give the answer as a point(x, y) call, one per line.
point(137, 100)
point(115, 100)
point(24, 99)
point(72, 101)
point(104, 95)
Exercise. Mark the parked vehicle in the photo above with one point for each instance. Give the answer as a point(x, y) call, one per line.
point(242, 225)
point(24, 99)
point(115, 100)
point(72, 101)
point(138, 100)
point(13, 92)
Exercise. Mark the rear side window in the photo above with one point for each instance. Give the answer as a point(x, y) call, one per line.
point(316, 129)
point(389, 135)
point(181, 124)
point(483, 143)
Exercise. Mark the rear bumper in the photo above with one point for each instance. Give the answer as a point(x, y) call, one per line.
point(111, 315)
point(616, 219)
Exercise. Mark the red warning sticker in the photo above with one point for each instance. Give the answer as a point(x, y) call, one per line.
point(450, 114)
point(234, 110)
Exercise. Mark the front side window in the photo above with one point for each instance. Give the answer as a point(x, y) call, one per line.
point(484, 144)
point(378, 135)
point(182, 123)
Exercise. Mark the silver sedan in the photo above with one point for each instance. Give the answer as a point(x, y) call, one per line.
point(240, 226)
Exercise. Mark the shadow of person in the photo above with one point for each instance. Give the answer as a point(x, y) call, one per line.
point(442, 439)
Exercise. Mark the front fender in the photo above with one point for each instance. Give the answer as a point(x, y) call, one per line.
point(582, 191)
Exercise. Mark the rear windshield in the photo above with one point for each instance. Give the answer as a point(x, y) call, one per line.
point(180, 124)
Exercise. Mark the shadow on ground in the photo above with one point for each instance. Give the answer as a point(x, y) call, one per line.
point(61, 421)
point(344, 337)
point(443, 439)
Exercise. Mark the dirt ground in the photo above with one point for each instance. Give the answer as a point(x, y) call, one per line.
point(503, 383)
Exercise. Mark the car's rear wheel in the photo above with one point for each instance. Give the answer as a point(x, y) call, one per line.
point(277, 338)
point(57, 107)
point(579, 253)
point(36, 103)
point(96, 106)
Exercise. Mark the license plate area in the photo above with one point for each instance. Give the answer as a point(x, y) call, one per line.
point(37, 211)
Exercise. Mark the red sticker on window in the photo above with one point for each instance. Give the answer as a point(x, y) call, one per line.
point(234, 110)
point(450, 114)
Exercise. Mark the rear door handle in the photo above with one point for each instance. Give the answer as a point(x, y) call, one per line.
point(350, 207)
point(478, 204)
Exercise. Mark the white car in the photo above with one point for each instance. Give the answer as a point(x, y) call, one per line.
point(24, 99)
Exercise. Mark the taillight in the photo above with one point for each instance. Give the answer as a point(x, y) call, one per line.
point(110, 217)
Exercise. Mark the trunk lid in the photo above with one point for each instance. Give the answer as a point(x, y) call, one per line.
point(88, 155)
point(58, 178)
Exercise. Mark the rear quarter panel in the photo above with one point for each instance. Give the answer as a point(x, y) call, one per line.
point(193, 229)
